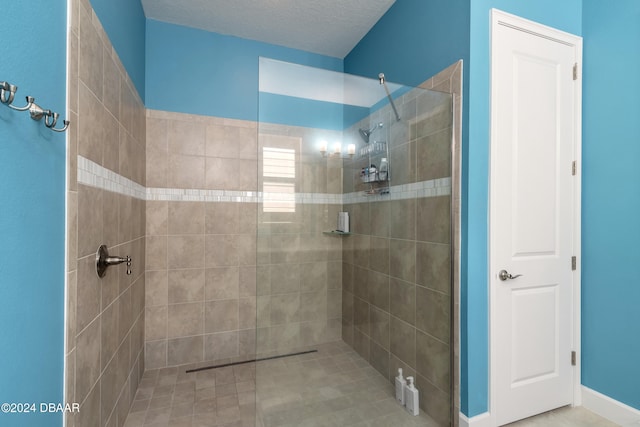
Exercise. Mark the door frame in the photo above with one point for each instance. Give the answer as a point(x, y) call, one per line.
point(502, 18)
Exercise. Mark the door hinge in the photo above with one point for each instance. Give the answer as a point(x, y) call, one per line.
point(575, 71)
point(573, 358)
point(574, 168)
point(574, 263)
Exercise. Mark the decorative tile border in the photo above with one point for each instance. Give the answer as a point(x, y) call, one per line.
point(94, 175)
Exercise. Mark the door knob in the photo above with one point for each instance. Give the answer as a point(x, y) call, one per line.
point(504, 275)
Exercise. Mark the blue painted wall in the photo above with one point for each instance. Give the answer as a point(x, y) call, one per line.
point(124, 22)
point(199, 72)
point(565, 15)
point(611, 200)
point(32, 220)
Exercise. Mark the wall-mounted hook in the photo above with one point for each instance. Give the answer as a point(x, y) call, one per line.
point(66, 124)
point(50, 118)
point(30, 100)
point(7, 95)
point(7, 88)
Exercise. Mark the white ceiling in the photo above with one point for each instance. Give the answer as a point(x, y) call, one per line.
point(326, 27)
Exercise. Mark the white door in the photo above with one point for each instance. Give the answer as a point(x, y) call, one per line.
point(534, 137)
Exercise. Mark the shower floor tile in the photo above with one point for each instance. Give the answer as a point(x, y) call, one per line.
point(334, 387)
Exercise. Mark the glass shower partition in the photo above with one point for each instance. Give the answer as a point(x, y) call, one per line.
point(340, 309)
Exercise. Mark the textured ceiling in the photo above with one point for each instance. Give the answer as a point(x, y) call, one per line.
point(327, 27)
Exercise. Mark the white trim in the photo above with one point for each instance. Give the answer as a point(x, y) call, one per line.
point(481, 420)
point(499, 17)
point(609, 408)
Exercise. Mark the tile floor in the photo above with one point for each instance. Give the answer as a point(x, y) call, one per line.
point(334, 387)
point(565, 417)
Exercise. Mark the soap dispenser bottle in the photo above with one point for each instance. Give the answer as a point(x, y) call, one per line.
point(411, 400)
point(400, 384)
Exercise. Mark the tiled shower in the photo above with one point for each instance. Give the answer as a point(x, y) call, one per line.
point(223, 274)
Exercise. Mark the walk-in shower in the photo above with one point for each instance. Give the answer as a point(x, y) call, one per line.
point(363, 303)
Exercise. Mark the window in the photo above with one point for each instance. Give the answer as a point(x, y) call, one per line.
point(279, 173)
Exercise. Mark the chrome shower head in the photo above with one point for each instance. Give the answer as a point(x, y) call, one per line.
point(365, 134)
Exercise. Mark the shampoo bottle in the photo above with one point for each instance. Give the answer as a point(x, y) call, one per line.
point(411, 401)
point(400, 384)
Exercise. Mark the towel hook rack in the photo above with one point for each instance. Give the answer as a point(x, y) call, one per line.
point(7, 96)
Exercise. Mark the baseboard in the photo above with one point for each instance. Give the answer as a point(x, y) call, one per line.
point(609, 408)
point(482, 420)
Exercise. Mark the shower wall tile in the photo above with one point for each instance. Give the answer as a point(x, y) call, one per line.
point(185, 350)
point(433, 266)
point(224, 283)
point(106, 317)
point(407, 322)
point(186, 285)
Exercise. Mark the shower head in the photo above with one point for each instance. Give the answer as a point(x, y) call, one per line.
point(365, 134)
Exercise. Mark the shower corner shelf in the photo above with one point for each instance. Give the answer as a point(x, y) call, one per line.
point(336, 233)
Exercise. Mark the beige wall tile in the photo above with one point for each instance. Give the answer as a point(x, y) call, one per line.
point(155, 353)
point(221, 251)
point(223, 218)
point(379, 254)
point(433, 361)
point(433, 266)
point(90, 219)
point(221, 315)
point(156, 252)
point(91, 133)
point(403, 341)
point(379, 358)
point(285, 308)
point(247, 281)
point(434, 317)
point(224, 283)
point(403, 259)
point(91, 51)
point(108, 339)
point(221, 346)
point(181, 351)
point(379, 324)
point(186, 171)
point(88, 293)
point(403, 301)
point(313, 306)
point(378, 290)
point(157, 218)
point(186, 218)
point(434, 155)
point(186, 285)
point(403, 219)
point(186, 137)
point(156, 323)
point(87, 360)
point(286, 280)
point(185, 251)
point(185, 320)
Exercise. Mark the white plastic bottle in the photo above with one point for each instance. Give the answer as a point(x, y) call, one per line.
point(411, 401)
point(383, 173)
point(400, 384)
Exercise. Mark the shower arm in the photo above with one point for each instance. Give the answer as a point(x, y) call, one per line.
point(386, 89)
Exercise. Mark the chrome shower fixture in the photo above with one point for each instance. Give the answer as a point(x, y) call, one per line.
point(366, 134)
point(393, 105)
